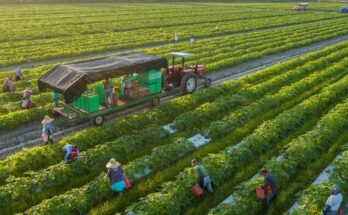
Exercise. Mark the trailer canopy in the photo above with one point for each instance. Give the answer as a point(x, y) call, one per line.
point(72, 79)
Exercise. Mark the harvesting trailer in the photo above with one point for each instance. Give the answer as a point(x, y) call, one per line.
point(151, 78)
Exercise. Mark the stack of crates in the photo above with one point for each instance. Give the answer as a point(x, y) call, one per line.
point(88, 102)
point(151, 80)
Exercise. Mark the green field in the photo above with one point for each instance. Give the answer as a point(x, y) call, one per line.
point(291, 117)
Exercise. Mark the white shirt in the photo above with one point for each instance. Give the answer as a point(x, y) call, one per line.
point(334, 201)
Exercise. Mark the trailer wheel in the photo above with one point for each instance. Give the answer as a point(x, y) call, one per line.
point(155, 101)
point(207, 82)
point(98, 120)
point(188, 83)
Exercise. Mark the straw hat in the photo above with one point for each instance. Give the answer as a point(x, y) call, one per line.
point(112, 164)
point(47, 120)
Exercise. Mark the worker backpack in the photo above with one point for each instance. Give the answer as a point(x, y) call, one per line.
point(74, 152)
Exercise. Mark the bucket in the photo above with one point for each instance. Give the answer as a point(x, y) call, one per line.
point(197, 190)
point(260, 193)
point(128, 184)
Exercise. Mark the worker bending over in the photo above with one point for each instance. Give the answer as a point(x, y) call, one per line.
point(269, 187)
point(71, 153)
point(8, 85)
point(27, 103)
point(18, 74)
point(203, 178)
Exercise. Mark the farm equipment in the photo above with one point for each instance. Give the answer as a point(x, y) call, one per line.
point(301, 6)
point(344, 9)
point(185, 77)
point(151, 78)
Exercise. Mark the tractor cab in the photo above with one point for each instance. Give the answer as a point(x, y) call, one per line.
point(186, 76)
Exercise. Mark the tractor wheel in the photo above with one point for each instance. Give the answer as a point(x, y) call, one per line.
point(188, 83)
point(98, 120)
point(155, 101)
point(207, 82)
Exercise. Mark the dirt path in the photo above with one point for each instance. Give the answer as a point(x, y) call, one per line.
point(28, 135)
point(101, 54)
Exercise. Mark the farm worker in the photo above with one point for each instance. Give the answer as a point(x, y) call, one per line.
point(333, 202)
point(176, 37)
point(192, 39)
point(126, 86)
point(56, 98)
point(108, 88)
point(269, 187)
point(27, 103)
point(18, 74)
point(47, 129)
point(71, 153)
point(203, 178)
point(116, 176)
point(8, 85)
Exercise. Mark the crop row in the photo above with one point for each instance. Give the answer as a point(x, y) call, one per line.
point(62, 47)
point(299, 153)
point(114, 25)
point(175, 193)
point(205, 113)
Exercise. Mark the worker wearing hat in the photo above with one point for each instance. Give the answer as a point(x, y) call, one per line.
point(333, 203)
point(116, 176)
point(47, 129)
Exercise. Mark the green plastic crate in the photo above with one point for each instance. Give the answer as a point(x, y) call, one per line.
point(77, 102)
point(99, 90)
point(92, 103)
point(120, 93)
point(154, 87)
point(149, 76)
point(148, 82)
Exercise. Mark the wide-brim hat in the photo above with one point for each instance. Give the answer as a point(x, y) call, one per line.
point(47, 119)
point(112, 164)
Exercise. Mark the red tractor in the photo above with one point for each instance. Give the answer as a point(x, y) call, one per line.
point(185, 77)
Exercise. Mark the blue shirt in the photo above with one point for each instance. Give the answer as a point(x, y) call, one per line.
point(269, 180)
point(68, 149)
point(48, 129)
point(55, 96)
